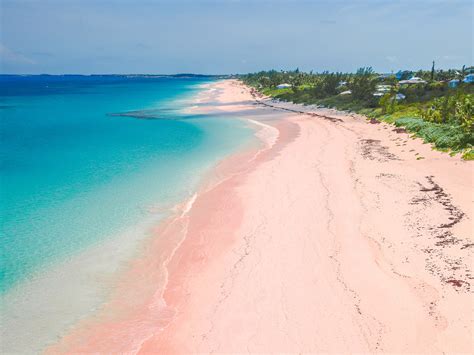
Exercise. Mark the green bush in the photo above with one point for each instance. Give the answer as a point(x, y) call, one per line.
point(414, 92)
point(457, 109)
point(363, 84)
point(464, 112)
point(443, 136)
point(388, 103)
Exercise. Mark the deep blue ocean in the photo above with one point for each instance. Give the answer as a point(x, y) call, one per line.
point(85, 157)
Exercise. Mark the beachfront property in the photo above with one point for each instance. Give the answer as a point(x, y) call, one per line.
point(403, 74)
point(381, 90)
point(469, 78)
point(384, 88)
point(413, 80)
point(453, 83)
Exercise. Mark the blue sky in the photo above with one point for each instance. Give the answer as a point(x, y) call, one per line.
point(232, 36)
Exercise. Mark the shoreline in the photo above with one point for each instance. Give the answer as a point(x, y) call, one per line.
point(287, 266)
point(163, 243)
point(59, 296)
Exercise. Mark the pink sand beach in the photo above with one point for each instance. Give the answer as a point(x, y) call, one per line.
point(331, 236)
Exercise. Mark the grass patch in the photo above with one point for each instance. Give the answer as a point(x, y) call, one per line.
point(468, 154)
point(274, 92)
point(442, 136)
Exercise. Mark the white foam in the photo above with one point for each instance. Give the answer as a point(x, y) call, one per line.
point(189, 204)
point(268, 134)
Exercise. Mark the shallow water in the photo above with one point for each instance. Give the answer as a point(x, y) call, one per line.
point(79, 184)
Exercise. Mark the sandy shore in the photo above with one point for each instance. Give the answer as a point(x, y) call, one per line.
point(334, 235)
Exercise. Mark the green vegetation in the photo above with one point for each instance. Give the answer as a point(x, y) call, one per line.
point(425, 103)
point(443, 136)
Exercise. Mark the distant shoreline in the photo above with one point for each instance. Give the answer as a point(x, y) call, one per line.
point(183, 75)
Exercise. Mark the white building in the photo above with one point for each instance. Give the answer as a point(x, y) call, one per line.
point(413, 80)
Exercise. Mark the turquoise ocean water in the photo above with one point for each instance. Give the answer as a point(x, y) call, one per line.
point(85, 157)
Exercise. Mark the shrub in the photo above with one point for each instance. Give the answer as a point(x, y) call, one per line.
point(441, 135)
point(458, 109)
point(363, 84)
point(464, 112)
point(414, 92)
point(388, 103)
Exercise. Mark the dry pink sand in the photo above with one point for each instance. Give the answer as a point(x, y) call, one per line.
point(331, 237)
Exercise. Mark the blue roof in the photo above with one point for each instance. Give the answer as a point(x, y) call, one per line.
point(469, 78)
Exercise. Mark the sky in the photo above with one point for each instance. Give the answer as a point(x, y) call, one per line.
point(232, 36)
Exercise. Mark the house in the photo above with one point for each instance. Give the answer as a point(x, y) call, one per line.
point(384, 88)
point(453, 83)
point(403, 75)
point(413, 80)
point(469, 78)
point(283, 86)
point(347, 92)
point(381, 90)
point(397, 97)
